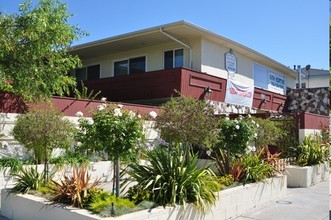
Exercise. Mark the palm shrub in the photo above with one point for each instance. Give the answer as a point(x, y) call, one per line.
point(74, 189)
point(27, 179)
point(173, 177)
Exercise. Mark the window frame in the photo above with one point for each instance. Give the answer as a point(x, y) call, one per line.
point(173, 58)
point(128, 65)
point(87, 72)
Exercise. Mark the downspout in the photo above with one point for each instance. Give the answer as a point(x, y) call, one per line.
point(178, 41)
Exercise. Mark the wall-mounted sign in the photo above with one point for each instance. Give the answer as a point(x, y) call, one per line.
point(230, 62)
point(277, 80)
point(238, 93)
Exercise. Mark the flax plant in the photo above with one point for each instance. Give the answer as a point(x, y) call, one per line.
point(172, 178)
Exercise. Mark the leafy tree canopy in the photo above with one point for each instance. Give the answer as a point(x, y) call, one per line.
point(43, 128)
point(34, 62)
point(187, 120)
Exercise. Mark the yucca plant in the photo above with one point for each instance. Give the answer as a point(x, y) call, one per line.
point(73, 189)
point(173, 177)
point(27, 179)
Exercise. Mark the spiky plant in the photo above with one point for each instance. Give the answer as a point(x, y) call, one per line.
point(173, 177)
point(73, 189)
point(28, 179)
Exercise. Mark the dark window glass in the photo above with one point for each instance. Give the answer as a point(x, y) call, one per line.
point(81, 74)
point(179, 58)
point(168, 60)
point(137, 65)
point(121, 68)
point(93, 72)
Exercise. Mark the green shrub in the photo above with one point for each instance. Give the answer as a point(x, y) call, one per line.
point(44, 191)
point(28, 179)
point(137, 193)
point(103, 201)
point(13, 165)
point(173, 177)
point(267, 133)
point(226, 180)
point(235, 134)
point(187, 120)
point(70, 159)
point(311, 151)
point(287, 138)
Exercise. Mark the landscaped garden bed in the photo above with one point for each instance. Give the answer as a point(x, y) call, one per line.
point(232, 202)
point(306, 176)
point(242, 171)
point(311, 165)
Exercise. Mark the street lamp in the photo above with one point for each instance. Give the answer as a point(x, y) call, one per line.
point(299, 74)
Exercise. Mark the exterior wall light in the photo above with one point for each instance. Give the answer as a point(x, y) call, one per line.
point(207, 92)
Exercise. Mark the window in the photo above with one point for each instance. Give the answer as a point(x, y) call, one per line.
point(268, 79)
point(173, 58)
point(88, 73)
point(130, 66)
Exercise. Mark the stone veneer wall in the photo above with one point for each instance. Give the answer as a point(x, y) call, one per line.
point(312, 100)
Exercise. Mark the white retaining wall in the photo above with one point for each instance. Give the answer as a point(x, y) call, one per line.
point(9, 147)
point(306, 176)
point(232, 202)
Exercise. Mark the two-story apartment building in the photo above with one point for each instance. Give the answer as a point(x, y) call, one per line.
point(147, 66)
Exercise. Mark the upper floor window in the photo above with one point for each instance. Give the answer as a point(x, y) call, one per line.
point(130, 66)
point(88, 73)
point(173, 58)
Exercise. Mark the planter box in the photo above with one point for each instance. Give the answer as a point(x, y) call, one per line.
point(306, 176)
point(232, 202)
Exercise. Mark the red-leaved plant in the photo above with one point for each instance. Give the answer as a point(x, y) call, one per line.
point(73, 189)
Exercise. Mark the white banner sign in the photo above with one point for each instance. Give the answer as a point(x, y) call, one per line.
point(239, 94)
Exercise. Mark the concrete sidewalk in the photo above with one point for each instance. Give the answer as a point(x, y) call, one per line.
point(298, 204)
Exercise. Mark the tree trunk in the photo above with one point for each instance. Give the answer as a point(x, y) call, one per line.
point(227, 158)
point(117, 174)
point(45, 167)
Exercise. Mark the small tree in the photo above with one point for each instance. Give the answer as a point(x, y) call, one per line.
point(114, 131)
point(34, 58)
point(41, 131)
point(187, 120)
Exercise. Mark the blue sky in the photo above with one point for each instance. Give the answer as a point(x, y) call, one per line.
point(293, 32)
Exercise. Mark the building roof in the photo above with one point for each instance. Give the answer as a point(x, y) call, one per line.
point(181, 30)
point(315, 73)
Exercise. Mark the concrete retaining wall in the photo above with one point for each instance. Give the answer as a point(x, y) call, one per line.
point(306, 176)
point(232, 202)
